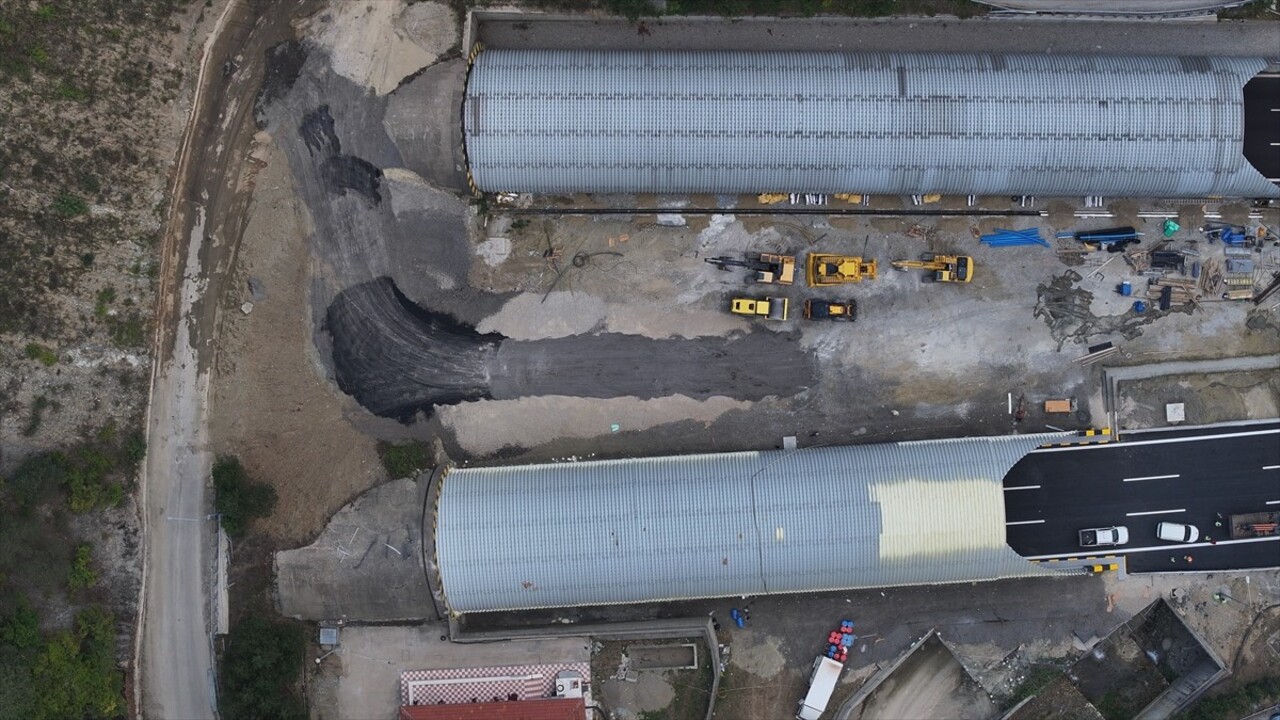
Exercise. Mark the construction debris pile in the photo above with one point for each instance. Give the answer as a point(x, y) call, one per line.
point(1231, 262)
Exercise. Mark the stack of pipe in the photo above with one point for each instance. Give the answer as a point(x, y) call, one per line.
point(1010, 238)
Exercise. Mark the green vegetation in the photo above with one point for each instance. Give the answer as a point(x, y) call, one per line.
point(106, 296)
point(63, 100)
point(1039, 678)
point(91, 473)
point(82, 574)
point(1243, 700)
point(1256, 10)
point(38, 406)
point(47, 357)
point(67, 674)
point(128, 331)
point(261, 667)
point(238, 498)
point(405, 459)
point(67, 205)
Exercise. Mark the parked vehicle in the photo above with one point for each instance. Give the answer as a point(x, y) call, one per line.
point(942, 268)
point(822, 682)
point(1104, 536)
point(818, 309)
point(1177, 532)
point(770, 268)
point(771, 308)
point(826, 269)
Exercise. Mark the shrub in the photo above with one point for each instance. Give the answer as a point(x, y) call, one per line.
point(38, 406)
point(37, 478)
point(47, 357)
point(82, 574)
point(237, 498)
point(106, 296)
point(1240, 702)
point(75, 676)
point(129, 332)
point(260, 667)
point(67, 205)
point(404, 460)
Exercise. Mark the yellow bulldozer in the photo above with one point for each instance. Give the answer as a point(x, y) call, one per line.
point(825, 270)
point(942, 268)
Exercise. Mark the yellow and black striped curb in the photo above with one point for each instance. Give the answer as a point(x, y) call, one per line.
point(1098, 437)
point(1093, 563)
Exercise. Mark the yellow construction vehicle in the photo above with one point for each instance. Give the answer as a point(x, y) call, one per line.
point(771, 308)
point(824, 270)
point(818, 309)
point(943, 268)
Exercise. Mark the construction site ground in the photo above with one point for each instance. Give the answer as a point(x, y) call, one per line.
point(368, 297)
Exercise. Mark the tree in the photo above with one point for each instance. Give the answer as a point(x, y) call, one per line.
point(237, 498)
point(260, 669)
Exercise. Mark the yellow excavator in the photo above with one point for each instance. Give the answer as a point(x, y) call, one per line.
point(825, 270)
point(942, 268)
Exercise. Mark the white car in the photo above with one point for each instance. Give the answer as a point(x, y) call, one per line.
point(1177, 532)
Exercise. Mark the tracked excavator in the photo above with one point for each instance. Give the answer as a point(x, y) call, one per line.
point(826, 270)
point(942, 268)
point(770, 268)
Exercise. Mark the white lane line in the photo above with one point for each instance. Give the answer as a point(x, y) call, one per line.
point(1171, 547)
point(1151, 477)
point(1273, 502)
point(1025, 522)
point(1131, 443)
point(1155, 512)
point(1022, 487)
point(1271, 467)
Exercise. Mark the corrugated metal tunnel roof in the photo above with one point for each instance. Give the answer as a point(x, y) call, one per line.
point(879, 123)
point(747, 523)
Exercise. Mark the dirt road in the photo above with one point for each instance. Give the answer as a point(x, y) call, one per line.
point(175, 677)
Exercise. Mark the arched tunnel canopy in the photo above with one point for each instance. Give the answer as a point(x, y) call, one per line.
point(747, 523)
point(878, 123)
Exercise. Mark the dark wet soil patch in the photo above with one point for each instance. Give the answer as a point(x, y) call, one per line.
point(284, 65)
point(398, 359)
point(1065, 309)
point(317, 131)
point(341, 173)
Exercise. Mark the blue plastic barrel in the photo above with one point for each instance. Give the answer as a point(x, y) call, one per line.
point(1140, 306)
point(1126, 288)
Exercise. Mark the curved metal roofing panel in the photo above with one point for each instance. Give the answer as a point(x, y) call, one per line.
point(750, 523)
point(887, 123)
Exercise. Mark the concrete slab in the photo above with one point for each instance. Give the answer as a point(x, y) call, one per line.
point(367, 564)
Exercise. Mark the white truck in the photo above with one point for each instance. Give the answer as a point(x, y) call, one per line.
point(822, 682)
point(1098, 537)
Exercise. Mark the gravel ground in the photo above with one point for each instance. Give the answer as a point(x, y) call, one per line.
point(1008, 35)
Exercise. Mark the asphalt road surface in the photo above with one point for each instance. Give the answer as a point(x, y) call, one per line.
point(1262, 124)
point(1183, 476)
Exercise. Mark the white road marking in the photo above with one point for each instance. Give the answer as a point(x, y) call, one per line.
point(1271, 467)
point(1022, 487)
point(1193, 438)
point(1273, 502)
point(1025, 522)
point(1155, 512)
point(1151, 477)
point(1171, 547)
